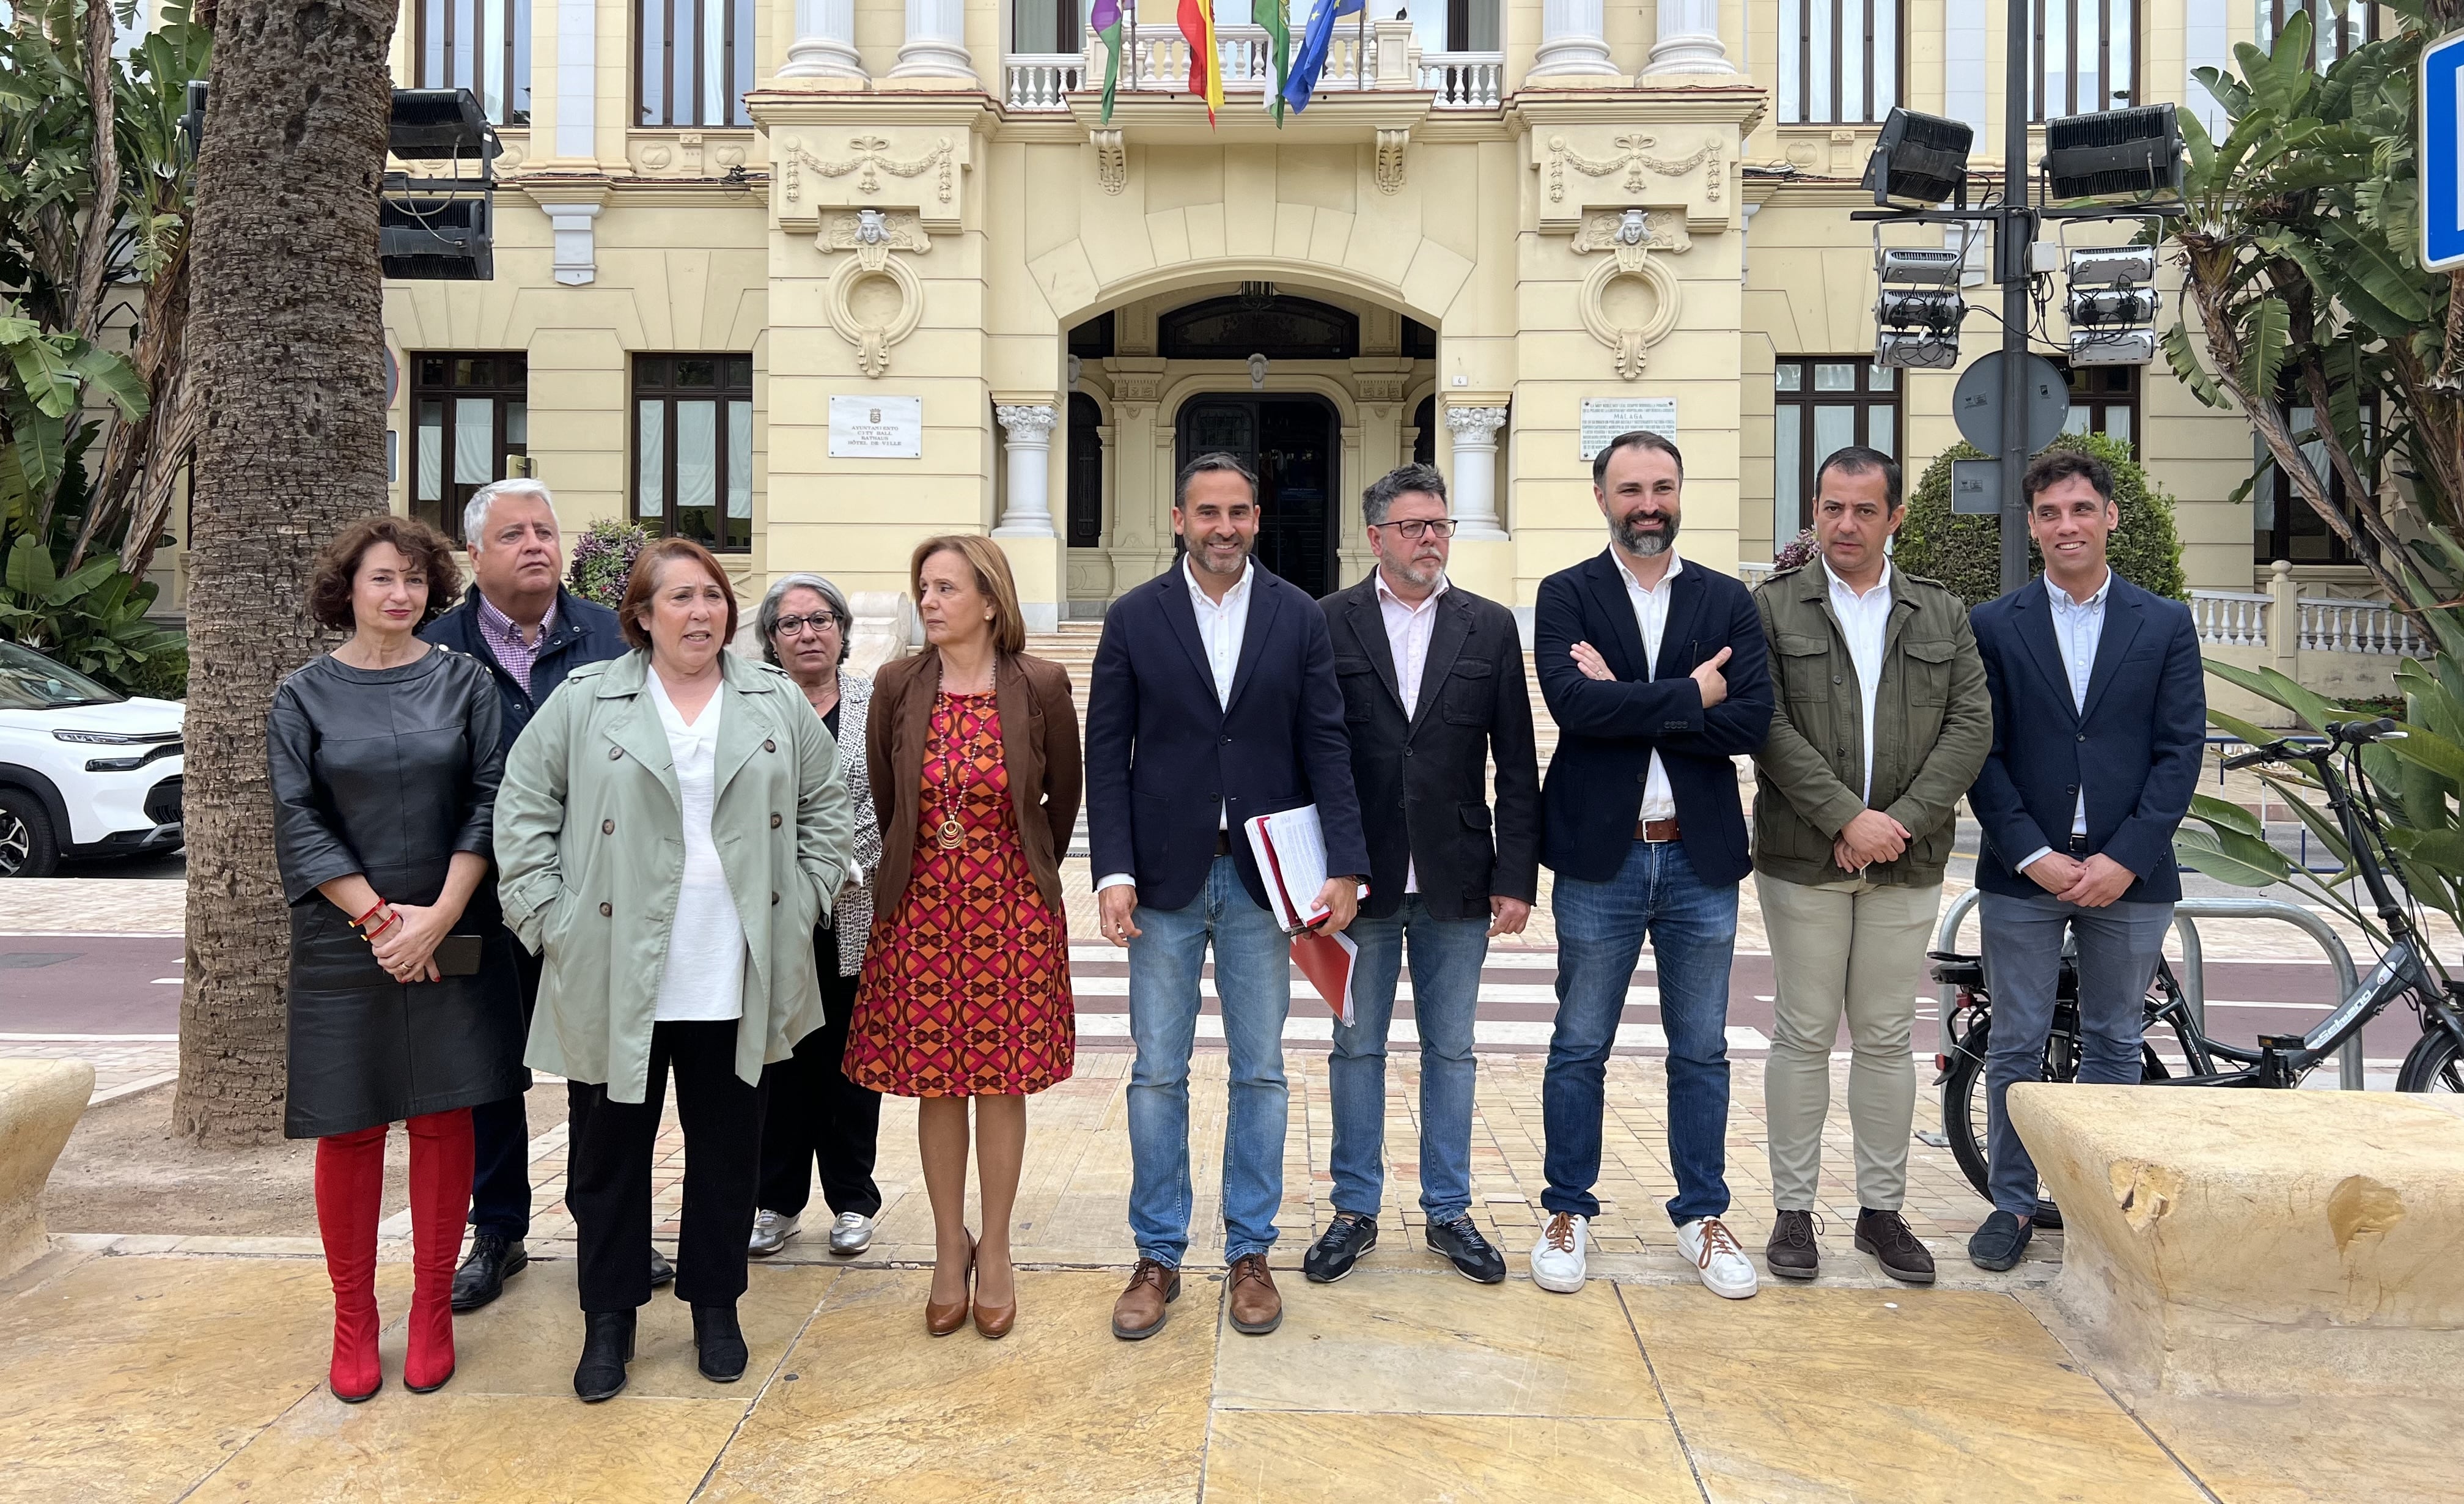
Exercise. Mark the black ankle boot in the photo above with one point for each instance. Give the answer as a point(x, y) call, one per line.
point(720, 1343)
point(606, 1348)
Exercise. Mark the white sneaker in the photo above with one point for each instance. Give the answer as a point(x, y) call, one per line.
point(1725, 1268)
point(851, 1234)
point(771, 1232)
point(1557, 1258)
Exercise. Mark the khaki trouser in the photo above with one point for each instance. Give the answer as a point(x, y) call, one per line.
point(1855, 948)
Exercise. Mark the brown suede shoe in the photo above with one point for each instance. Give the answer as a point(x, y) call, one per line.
point(1885, 1235)
point(1792, 1252)
point(1139, 1313)
point(1256, 1308)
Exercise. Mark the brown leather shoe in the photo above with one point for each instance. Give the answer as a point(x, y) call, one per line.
point(1885, 1235)
point(1256, 1308)
point(940, 1320)
point(1139, 1313)
point(1792, 1252)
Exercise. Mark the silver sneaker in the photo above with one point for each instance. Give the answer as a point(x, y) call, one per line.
point(851, 1234)
point(771, 1232)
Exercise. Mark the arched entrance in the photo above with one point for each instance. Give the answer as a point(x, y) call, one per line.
point(1289, 441)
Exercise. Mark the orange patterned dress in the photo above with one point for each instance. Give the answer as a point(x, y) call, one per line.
point(966, 982)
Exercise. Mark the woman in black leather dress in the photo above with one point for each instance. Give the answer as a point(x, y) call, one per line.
point(384, 757)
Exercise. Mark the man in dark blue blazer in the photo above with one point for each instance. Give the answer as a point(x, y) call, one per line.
point(529, 631)
point(1656, 674)
point(2100, 719)
point(1214, 700)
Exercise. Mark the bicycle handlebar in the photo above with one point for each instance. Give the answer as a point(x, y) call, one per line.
point(2340, 734)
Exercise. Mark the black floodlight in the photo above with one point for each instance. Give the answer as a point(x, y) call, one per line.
point(1919, 160)
point(439, 228)
point(2131, 153)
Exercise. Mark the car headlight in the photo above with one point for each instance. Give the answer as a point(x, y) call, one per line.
point(115, 738)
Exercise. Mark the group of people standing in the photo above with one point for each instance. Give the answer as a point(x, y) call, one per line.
point(522, 831)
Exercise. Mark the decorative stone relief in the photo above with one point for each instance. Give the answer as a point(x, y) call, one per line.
point(1634, 157)
point(1136, 387)
point(874, 299)
point(1111, 161)
point(1391, 144)
point(1382, 389)
point(871, 158)
point(1630, 300)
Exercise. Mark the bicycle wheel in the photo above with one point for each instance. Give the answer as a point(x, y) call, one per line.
point(1962, 1122)
point(2434, 1064)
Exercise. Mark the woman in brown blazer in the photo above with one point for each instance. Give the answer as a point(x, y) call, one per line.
point(974, 756)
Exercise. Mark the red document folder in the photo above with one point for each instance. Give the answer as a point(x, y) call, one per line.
point(1326, 960)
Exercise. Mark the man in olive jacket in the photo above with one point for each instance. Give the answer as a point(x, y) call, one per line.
point(1880, 724)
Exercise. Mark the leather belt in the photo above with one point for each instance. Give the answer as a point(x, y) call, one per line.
point(1659, 830)
point(1222, 843)
point(2081, 846)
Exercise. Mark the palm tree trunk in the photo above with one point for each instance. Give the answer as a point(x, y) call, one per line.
point(287, 353)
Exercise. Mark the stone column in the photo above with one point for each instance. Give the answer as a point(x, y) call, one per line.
point(1475, 432)
point(824, 44)
point(1689, 39)
point(935, 44)
point(1028, 432)
point(1573, 41)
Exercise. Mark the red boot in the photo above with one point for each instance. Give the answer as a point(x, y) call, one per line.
point(440, 1201)
point(350, 1196)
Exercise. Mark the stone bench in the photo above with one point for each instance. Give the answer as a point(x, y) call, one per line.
point(2250, 1242)
point(40, 1101)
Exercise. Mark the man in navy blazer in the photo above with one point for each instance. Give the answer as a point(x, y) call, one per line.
point(1214, 700)
point(1656, 674)
point(2100, 720)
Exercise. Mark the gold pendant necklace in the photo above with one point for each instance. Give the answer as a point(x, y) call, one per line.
point(949, 834)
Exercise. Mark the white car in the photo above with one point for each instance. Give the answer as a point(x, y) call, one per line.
point(84, 770)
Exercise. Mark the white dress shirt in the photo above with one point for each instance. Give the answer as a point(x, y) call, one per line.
point(2079, 626)
point(1651, 617)
point(1221, 628)
point(703, 979)
point(1865, 620)
point(1409, 629)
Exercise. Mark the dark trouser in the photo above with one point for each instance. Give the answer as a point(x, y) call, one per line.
point(608, 1156)
point(500, 1140)
point(817, 1115)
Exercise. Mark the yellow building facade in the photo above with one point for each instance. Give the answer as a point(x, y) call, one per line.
point(811, 280)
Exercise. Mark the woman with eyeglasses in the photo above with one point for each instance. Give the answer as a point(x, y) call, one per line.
point(817, 1116)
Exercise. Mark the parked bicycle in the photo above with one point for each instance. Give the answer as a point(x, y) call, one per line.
point(2406, 971)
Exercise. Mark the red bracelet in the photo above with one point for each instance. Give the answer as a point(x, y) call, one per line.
point(389, 917)
point(363, 919)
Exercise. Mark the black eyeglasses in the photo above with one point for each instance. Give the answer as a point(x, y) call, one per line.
point(794, 625)
point(1440, 527)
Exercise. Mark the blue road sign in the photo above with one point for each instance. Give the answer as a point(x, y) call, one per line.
point(2440, 154)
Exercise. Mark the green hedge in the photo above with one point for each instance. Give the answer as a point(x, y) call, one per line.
point(1964, 552)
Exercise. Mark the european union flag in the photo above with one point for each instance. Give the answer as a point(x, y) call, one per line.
point(1308, 61)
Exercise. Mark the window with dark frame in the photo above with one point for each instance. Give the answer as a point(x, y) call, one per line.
point(480, 45)
point(2332, 35)
point(1841, 61)
point(693, 62)
point(1046, 26)
point(692, 447)
point(1820, 404)
point(2104, 399)
point(2085, 55)
point(1086, 473)
point(469, 411)
point(2283, 524)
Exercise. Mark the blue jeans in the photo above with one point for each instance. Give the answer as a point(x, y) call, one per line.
point(1253, 977)
point(1692, 926)
point(1446, 956)
point(2118, 947)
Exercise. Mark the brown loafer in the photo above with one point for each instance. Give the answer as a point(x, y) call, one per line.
point(1257, 1309)
point(1140, 1312)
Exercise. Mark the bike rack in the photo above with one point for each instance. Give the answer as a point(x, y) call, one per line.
point(2193, 977)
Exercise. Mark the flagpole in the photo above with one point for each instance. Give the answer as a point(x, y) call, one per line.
point(1360, 56)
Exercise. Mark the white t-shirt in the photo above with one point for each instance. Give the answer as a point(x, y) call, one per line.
point(704, 978)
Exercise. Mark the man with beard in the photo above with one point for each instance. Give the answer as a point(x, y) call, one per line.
point(1658, 676)
point(1433, 687)
point(1214, 700)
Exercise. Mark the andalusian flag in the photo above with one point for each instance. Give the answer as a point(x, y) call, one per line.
point(1106, 18)
point(1269, 15)
point(1205, 65)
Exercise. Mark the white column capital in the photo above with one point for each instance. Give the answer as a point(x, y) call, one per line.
point(1689, 39)
point(1027, 424)
point(824, 44)
point(1475, 428)
point(1475, 435)
point(1026, 429)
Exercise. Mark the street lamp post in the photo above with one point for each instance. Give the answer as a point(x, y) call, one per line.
point(2014, 233)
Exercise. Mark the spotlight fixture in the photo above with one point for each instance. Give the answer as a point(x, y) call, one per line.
point(1918, 161)
point(439, 228)
point(1918, 313)
point(2131, 153)
point(2112, 305)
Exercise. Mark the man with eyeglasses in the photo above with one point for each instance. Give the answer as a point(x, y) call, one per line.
point(1433, 687)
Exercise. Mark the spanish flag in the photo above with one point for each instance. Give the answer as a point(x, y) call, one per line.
point(1205, 65)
